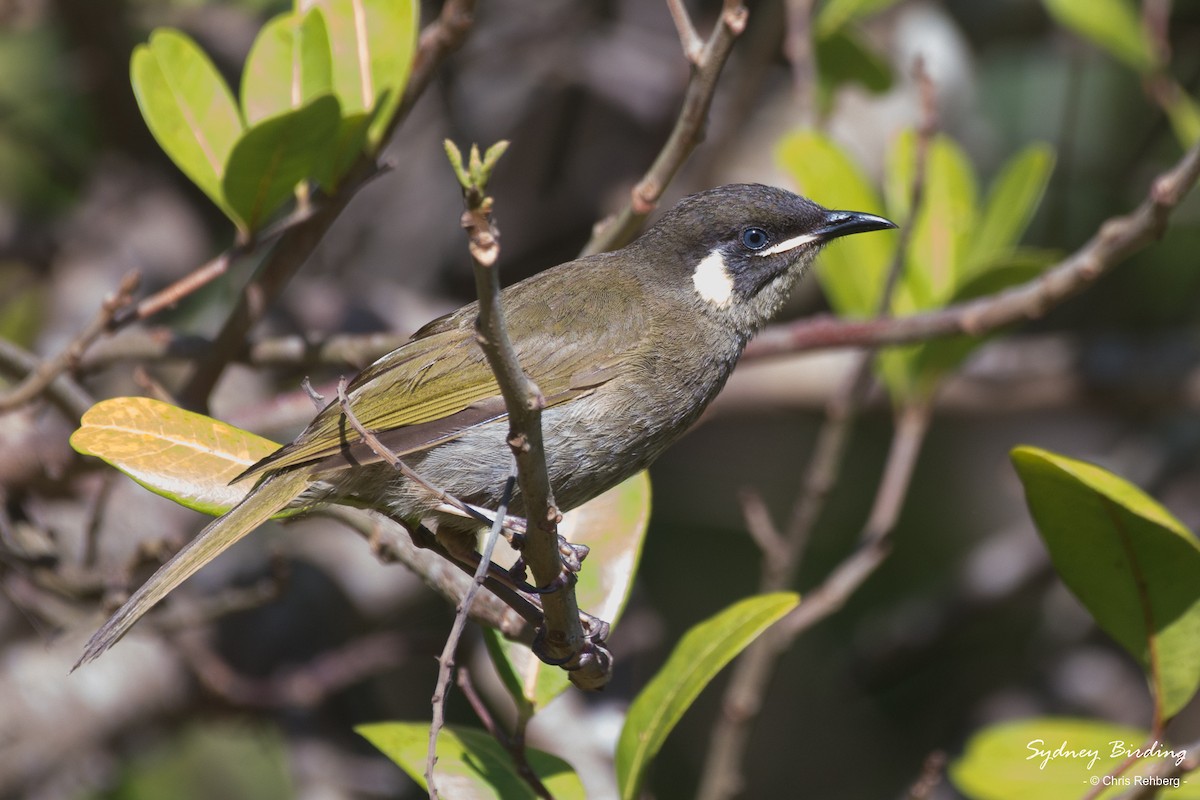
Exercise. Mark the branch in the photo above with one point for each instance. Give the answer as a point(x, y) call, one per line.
point(1117, 239)
point(561, 640)
point(63, 390)
point(39, 378)
point(446, 661)
point(689, 127)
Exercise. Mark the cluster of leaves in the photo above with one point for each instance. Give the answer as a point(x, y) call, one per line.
point(319, 86)
point(959, 248)
point(190, 458)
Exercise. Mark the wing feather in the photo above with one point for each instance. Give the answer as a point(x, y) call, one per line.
point(438, 384)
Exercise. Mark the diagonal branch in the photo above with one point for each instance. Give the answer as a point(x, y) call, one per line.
point(41, 376)
point(689, 127)
point(562, 639)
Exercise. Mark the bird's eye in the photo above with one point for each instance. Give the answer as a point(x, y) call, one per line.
point(755, 238)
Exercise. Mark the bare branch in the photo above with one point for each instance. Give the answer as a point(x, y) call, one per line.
point(39, 379)
point(562, 640)
point(63, 391)
point(689, 39)
point(688, 131)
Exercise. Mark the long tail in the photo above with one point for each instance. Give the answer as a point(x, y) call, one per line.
point(263, 501)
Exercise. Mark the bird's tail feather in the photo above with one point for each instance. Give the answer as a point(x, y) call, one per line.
point(263, 501)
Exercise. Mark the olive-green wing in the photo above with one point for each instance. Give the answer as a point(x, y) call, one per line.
point(438, 385)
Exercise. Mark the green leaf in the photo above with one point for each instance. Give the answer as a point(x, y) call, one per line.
point(288, 66)
point(852, 270)
point(1132, 564)
point(183, 456)
point(1014, 196)
point(935, 264)
point(275, 155)
point(843, 57)
point(341, 153)
point(1184, 115)
point(242, 757)
point(1114, 25)
point(835, 14)
point(471, 765)
point(188, 107)
point(1050, 758)
point(613, 525)
point(700, 655)
point(373, 43)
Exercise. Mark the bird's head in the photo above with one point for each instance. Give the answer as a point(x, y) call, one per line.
point(738, 250)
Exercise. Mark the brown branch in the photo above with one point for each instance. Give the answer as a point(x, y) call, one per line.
point(798, 47)
point(845, 579)
point(1117, 239)
point(688, 130)
point(162, 344)
point(1167, 770)
point(207, 273)
point(689, 39)
point(931, 775)
point(507, 612)
point(304, 686)
point(561, 640)
point(446, 660)
point(63, 391)
point(40, 378)
point(442, 37)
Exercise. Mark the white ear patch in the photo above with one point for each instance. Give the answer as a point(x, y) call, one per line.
point(712, 280)
point(788, 244)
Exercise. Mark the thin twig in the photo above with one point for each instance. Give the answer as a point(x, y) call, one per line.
point(1117, 239)
point(562, 641)
point(798, 47)
point(514, 744)
point(40, 378)
point(689, 39)
point(303, 686)
point(394, 461)
point(446, 662)
point(930, 777)
point(508, 612)
point(845, 579)
point(208, 272)
point(688, 130)
point(64, 392)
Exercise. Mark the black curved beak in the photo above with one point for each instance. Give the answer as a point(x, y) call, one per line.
point(844, 223)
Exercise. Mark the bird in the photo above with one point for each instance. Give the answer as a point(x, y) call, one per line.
point(628, 348)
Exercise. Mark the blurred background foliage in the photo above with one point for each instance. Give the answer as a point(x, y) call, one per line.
point(966, 623)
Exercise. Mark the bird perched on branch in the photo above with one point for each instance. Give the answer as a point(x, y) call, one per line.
point(627, 347)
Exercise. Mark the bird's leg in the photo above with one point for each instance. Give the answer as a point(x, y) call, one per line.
point(572, 556)
point(497, 579)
